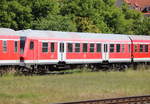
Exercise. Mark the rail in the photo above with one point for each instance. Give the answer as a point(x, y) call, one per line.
point(124, 100)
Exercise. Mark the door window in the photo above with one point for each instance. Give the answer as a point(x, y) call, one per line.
point(61, 47)
point(15, 46)
point(105, 48)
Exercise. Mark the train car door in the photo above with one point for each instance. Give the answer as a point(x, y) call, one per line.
point(105, 52)
point(61, 51)
point(32, 51)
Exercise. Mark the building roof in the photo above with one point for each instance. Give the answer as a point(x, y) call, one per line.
point(139, 4)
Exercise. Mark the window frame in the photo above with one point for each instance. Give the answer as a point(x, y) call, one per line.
point(52, 47)
point(16, 46)
point(98, 47)
point(4, 45)
point(112, 48)
point(77, 48)
point(85, 47)
point(92, 48)
point(118, 48)
point(31, 45)
point(135, 47)
point(123, 48)
point(141, 48)
point(146, 49)
point(129, 48)
point(44, 47)
point(70, 50)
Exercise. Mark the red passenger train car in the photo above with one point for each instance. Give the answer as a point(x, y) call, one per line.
point(9, 47)
point(41, 49)
point(75, 48)
point(141, 48)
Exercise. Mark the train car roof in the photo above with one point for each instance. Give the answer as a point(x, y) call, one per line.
point(139, 37)
point(7, 31)
point(44, 34)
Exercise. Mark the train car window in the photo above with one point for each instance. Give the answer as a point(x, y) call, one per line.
point(85, 47)
point(52, 47)
point(92, 47)
point(70, 47)
point(135, 48)
point(31, 45)
point(44, 47)
point(118, 47)
point(22, 44)
point(146, 48)
point(112, 48)
point(4, 46)
point(15, 46)
point(129, 48)
point(98, 47)
point(77, 47)
point(141, 48)
point(123, 48)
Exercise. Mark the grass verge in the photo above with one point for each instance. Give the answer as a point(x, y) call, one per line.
point(73, 87)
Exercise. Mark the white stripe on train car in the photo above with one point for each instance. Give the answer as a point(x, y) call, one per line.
point(9, 61)
point(120, 60)
point(10, 39)
point(69, 61)
point(141, 59)
point(41, 61)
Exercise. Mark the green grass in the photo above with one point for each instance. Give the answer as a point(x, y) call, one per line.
point(73, 87)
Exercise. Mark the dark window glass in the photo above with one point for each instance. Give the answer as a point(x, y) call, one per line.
point(16, 46)
point(118, 47)
point(4, 46)
point(31, 45)
point(85, 47)
point(70, 47)
point(44, 47)
point(22, 44)
point(111, 47)
point(52, 47)
point(123, 48)
point(129, 48)
point(105, 48)
point(92, 47)
point(61, 47)
point(146, 48)
point(98, 47)
point(135, 48)
point(77, 47)
point(141, 48)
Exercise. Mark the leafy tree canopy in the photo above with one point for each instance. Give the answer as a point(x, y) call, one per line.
point(98, 16)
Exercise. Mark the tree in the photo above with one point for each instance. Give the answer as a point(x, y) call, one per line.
point(100, 16)
point(43, 8)
point(55, 23)
point(14, 15)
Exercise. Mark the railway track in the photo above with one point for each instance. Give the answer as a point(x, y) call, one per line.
point(123, 100)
